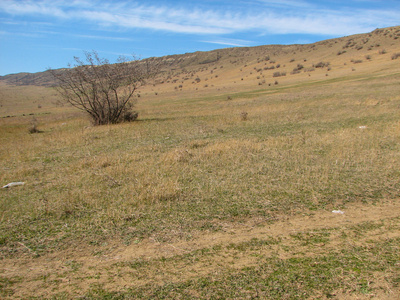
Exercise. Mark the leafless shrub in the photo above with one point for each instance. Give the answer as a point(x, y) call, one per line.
point(244, 115)
point(103, 90)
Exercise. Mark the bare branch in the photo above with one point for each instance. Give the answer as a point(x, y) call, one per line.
point(105, 91)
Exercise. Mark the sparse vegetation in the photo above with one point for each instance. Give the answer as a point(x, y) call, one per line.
point(191, 202)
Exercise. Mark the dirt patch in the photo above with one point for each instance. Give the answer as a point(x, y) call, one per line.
point(76, 271)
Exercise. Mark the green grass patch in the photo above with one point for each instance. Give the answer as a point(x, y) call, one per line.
point(349, 271)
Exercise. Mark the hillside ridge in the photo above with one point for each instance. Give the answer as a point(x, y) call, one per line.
point(381, 39)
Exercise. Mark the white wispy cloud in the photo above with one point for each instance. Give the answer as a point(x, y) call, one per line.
point(29, 7)
point(282, 3)
point(297, 17)
point(102, 37)
point(229, 42)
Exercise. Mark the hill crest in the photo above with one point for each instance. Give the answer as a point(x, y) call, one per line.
point(343, 50)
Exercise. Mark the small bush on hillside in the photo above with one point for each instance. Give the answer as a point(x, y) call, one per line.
point(130, 116)
point(269, 68)
point(395, 56)
point(33, 126)
point(279, 74)
point(297, 69)
point(321, 64)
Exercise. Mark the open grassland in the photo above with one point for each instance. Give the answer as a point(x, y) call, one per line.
point(223, 188)
point(198, 200)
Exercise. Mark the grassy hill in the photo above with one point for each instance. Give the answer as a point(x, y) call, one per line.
point(223, 188)
point(248, 63)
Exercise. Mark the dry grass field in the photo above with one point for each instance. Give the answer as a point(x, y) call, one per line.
point(223, 189)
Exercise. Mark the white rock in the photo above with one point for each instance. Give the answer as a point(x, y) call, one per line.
point(338, 212)
point(11, 184)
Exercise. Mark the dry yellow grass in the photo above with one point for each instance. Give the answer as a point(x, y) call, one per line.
point(191, 168)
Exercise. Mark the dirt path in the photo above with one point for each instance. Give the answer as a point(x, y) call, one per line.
point(76, 272)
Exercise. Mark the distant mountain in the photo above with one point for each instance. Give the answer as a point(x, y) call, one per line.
point(339, 51)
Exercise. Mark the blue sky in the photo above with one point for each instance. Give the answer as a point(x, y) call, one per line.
point(38, 34)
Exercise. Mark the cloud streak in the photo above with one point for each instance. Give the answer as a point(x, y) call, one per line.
point(267, 18)
point(229, 42)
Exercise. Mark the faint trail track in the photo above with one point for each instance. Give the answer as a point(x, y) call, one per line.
point(76, 271)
